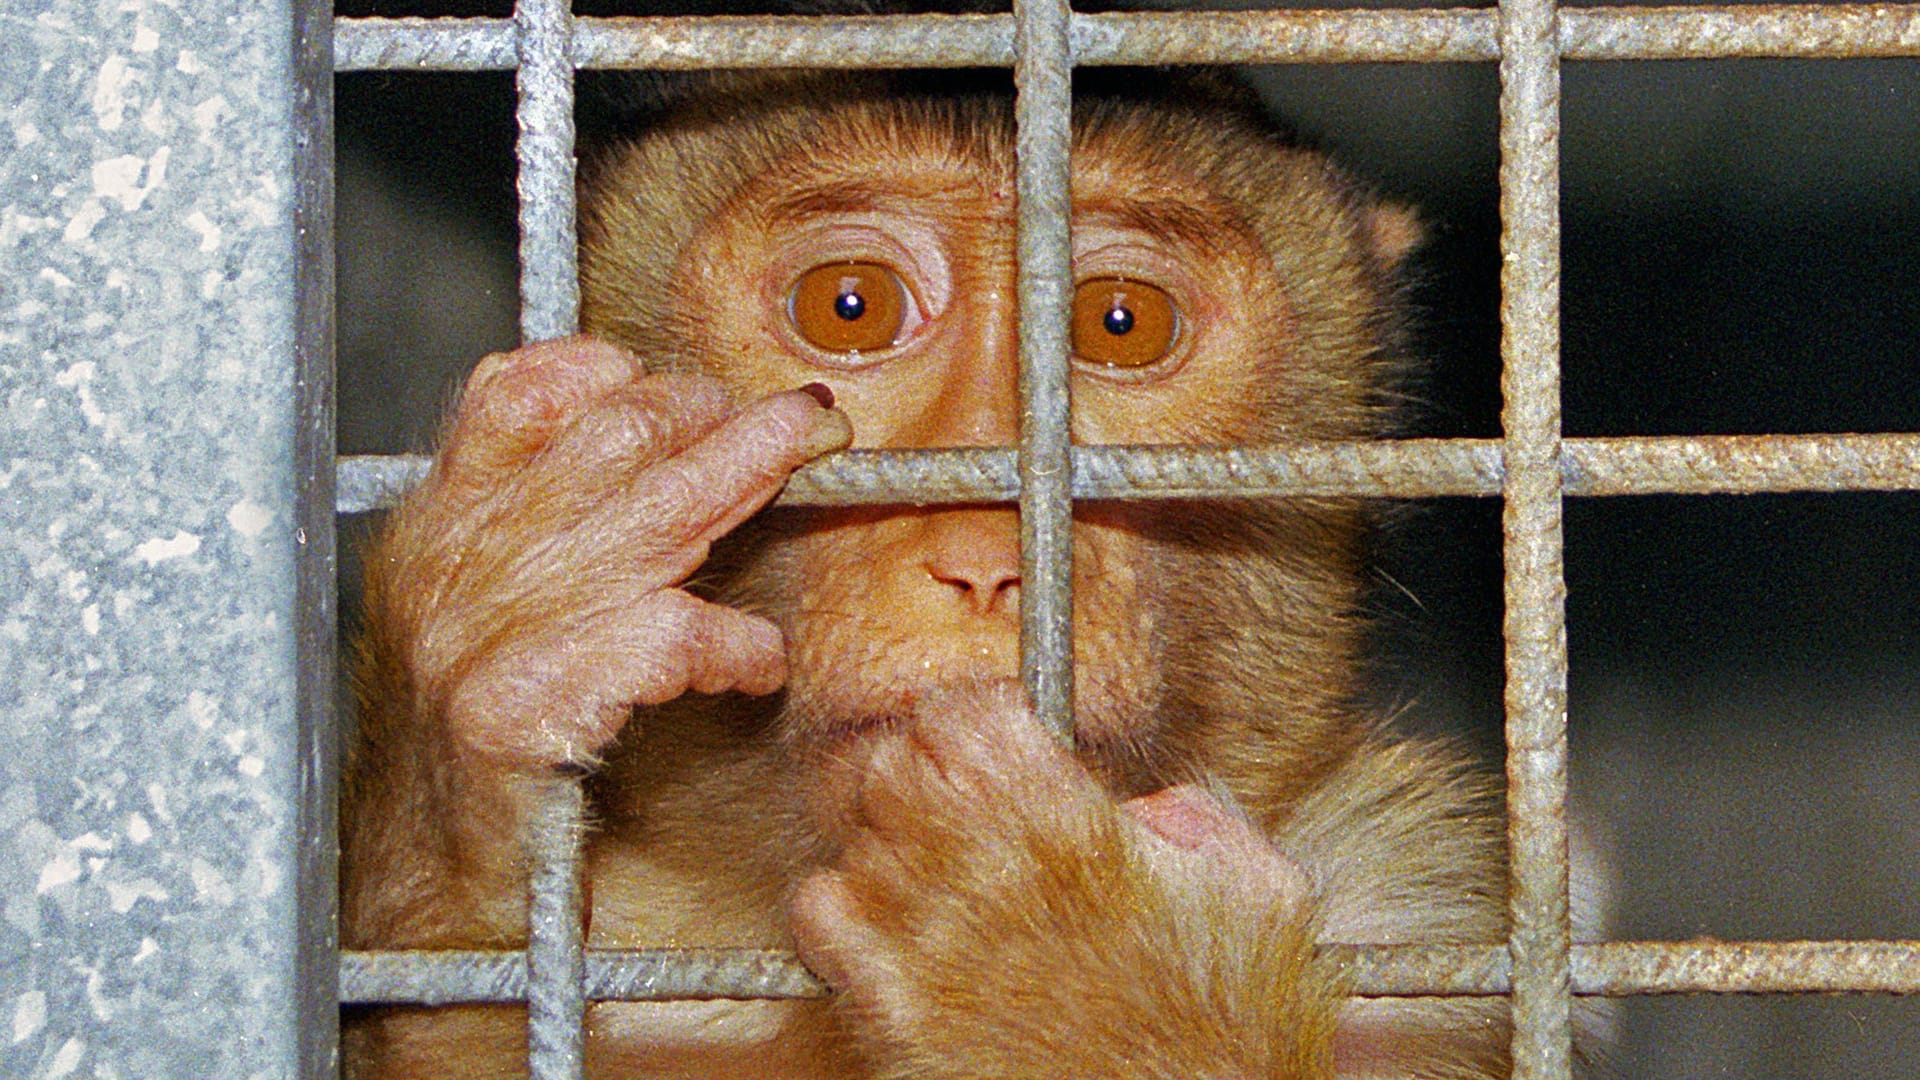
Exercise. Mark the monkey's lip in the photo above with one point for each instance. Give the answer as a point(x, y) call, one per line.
point(837, 717)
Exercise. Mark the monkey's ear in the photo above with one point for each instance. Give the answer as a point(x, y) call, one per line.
point(1393, 231)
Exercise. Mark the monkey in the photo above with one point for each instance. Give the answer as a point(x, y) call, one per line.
point(801, 728)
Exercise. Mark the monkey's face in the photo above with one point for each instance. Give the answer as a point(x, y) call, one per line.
point(1226, 290)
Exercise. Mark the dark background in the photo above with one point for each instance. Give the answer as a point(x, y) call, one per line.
point(1741, 256)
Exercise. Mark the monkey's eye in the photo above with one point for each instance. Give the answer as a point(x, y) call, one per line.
point(1122, 323)
point(848, 307)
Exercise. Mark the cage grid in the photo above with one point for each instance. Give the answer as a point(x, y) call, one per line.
point(1531, 468)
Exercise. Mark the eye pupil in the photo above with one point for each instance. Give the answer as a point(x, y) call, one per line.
point(1118, 320)
point(850, 306)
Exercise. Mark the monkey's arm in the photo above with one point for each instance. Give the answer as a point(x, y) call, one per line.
point(525, 598)
point(999, 916)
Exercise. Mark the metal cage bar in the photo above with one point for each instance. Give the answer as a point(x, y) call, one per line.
point(1042, 75)
point(1397, 469)
point(1536, 619)
point(1532, 468)
point(550, 308)
point(1193, 37)
point(1613, 969)
point(167, 540)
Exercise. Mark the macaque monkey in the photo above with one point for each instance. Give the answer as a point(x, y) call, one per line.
point(803, 728)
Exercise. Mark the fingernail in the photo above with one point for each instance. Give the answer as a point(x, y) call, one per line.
point(819, 392)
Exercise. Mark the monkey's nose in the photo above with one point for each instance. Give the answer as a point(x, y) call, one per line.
point(984, 589)
point(976, 555)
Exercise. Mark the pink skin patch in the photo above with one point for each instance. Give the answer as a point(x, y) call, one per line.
point(1188, 818)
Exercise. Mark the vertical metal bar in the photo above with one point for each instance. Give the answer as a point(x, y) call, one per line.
point(1536, 639)
point(556, 967)
point(549, 308)
point(549, 285)
point(1042, 75)
point(165, 540)
point(317, 959)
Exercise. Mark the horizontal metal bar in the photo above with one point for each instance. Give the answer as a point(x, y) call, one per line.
point(1763, 967)
point(1614, 969)
point(473, 977)
point(1629, 968)
point(424, 45)
point(1823, 31)
point(1807, 31)
point(1407, 468)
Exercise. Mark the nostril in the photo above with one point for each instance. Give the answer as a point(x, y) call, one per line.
point(983, 587)
point(974, 555)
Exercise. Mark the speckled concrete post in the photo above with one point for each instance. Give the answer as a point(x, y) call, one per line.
point(165, 540)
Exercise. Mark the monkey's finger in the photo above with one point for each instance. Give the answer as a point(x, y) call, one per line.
point(984, 738)
point(735, 469)
point(562, 695)
point(679, 643)
point(837, 943)
point(518, 403)
point(631, 428)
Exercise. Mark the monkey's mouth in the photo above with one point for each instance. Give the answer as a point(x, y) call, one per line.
point(832, 715)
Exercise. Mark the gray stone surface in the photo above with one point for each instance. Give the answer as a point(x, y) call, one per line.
point(148, 541)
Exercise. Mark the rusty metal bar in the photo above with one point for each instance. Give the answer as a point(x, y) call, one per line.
point(1535, 624)
point(1614, 969)
point(1402, 469)
point(1042, 109)
point(1829, 31)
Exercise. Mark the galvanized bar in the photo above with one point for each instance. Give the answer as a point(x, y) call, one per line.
point(1286, 37)
point(1809, 31)
point(1042, 75)
point(316, 769)
point(556, 968)
point(1400, 469)
point(1631, 968)
point(1741, 464)
point(425, 45)
point(1535, 622)
point(1614, 969)
point(549, 308)
point(1829, 31)
point(1618, 969)
point(773, 41)
point(166, 540)
point(440, 977)
point(472, 977)
point(549, 284)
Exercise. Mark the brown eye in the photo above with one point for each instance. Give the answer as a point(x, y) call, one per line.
point(1122, 323)
point(848, 307)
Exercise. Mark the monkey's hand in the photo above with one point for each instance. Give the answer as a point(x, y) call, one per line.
point(997, 915)
point(532, 584)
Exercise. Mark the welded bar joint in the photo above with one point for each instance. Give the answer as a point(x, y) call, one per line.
point(1421, 35)
point(1042, 76)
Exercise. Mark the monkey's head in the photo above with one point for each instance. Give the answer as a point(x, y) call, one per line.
point(1231, 287)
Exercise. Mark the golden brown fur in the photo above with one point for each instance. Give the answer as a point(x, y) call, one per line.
point(984, 900)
